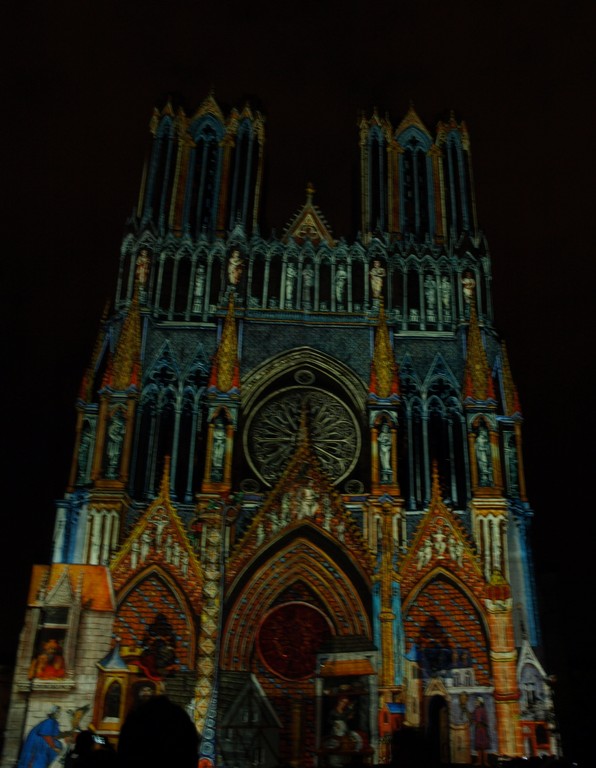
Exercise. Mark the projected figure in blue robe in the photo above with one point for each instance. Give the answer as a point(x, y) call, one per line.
point(42, 745)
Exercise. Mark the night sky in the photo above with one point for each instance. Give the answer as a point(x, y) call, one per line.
point(81, 81)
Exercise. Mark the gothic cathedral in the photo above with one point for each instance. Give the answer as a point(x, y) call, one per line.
point(296, 504)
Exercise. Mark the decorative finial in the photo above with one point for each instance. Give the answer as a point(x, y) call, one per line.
point(165, 479)
point(127, 356)
point(303, 426)
point(435, 494)
point(510, 391)
point(477, 374)
point(227, 353)
point(310, 190)
point(383, 358)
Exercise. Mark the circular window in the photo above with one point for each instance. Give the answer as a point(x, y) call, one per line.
point(289, 639)
point(271, 434)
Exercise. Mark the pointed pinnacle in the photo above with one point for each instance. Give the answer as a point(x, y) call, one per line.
point(165, 479)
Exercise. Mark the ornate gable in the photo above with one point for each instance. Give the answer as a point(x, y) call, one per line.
point(384, 382)
point(160, 541)
point(303, 495)
point(209, 106)
point(440, 542)
point(126, 365)
point(64, 584)
point(478, 384)
point(410, 120)
point(309, 225)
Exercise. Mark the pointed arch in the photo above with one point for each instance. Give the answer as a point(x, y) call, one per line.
point(304, 557)
point(377, 179)
point(447, 639)
point(161, 173)
point(416, 194)
point(157, 428)
point(182, 288)
point(204, 175)
point(457, 180)
point(150, 593)
point(245, 173)
point(261, 377)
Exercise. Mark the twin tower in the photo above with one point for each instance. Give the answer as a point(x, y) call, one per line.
point(296, 503)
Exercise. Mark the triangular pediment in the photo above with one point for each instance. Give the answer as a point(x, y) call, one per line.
point(440, 542)
point(61, 593)
point(245, 690)
point(209, 106)
point(412, 120)
point(436, 687)
point(308, 225)
point(63, 584)
point(303, 496)
point(527, 656)
point(159, 540)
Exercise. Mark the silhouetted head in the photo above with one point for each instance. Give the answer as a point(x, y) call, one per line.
point(158, 733)
point(84, 743)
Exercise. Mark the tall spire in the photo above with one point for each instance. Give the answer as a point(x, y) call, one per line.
point(226, 362)
point(477, 378)
point(383, 370)
point(164, 490)
point(126, 371)
point(86, 391)
point(510, 395)
point(435, 494)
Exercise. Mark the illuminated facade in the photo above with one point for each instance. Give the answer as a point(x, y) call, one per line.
point(297, 501)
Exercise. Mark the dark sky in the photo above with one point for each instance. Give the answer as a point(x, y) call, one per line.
point(81, 80)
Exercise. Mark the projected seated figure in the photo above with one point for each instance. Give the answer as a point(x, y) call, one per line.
point(342, 743)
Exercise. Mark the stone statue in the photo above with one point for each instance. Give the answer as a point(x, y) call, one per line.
point(308, 279)
point(384, 440)
point(84, 450)
point(446, 293)
point(377, 273)
point(513, 468)
point(235, 268)
point(482, 448)
point(431, 293)
point(308, 500)
point(115, 438)
point(219, 447)
point(469, 285)
point(199, 291)
point(142, 273)
point(341, 278)
point(291, 273)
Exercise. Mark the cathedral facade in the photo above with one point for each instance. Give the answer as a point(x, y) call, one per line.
point(297, 502)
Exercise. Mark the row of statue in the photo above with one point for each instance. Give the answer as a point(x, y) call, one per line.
point(377, 274)
point(117, 426)
point(160, 540)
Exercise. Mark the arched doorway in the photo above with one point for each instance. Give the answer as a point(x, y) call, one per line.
point(438, 731)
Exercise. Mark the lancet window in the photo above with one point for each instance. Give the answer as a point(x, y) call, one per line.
point(203, 186)
point(415, 183)
point(244, 176)
point(161, 175)
point(433, 428)
point(456, 182)
point(169, 424)
point(377, 180)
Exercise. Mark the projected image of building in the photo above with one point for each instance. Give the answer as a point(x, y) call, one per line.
point(297, 502)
